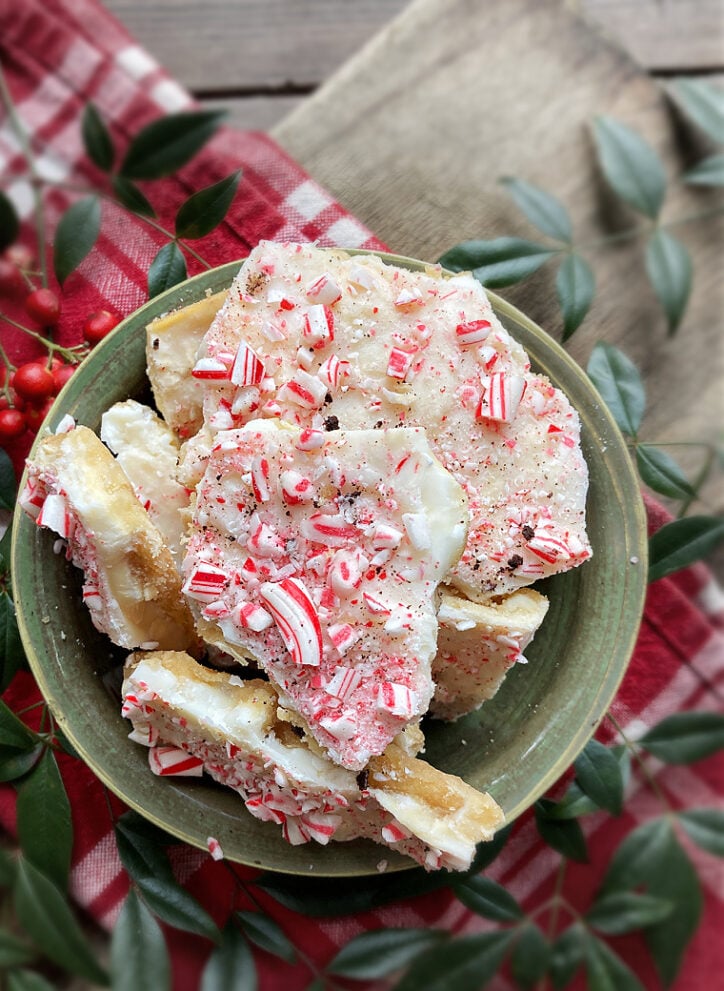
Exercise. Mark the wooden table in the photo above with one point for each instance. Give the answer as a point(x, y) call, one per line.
point(410, 112)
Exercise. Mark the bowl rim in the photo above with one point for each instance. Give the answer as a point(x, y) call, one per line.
point(637, 544)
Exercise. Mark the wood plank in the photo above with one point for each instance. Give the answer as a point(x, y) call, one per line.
point(233, 46)
point(255, 113)
point(413, 133)
point(245, 46)
point(665, 35)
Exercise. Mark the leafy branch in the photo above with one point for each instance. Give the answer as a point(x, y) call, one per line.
point(635, 175)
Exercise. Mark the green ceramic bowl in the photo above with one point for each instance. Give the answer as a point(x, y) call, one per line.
point(516, 746)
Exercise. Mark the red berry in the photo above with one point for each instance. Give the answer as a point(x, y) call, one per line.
point(61, 376)
point(36, 414)
point(33, 381)
point(10, 277)
point(43, 305)
point(99, 325)
point(12, 424)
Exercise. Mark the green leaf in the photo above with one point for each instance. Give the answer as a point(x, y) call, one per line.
point(529, 960)
point(139, 957)
point(8, 484)
point(599, 775)
point(75, 235)
point(640, 856)
point(670, 271)
point(703, 104)
point(65, 743)
point(27, 980)
point(541, 208)
point(12, 656)
point(683, 542)
point(130, 196)
point(9, 221)
point(13, 731)
point(231, 966)
point(97, 139)
point(706, 828)
point(619, 383)
point(499, 262)
point(607, 972)
point(685, 737)
point(205, 209)
point(5, 542)
point(677, 881)
point(382, 952)
point(45, 829)
point(464, 963)
point(620, 912)
point(486, 897)
point(148, 865)
point(661, 473)
point(631, 167)
point(167, 269)
point(43, 912)
point(7, 869)
point(574, 803)
point(14, 765)
point(267, 934)
point(567, 955)
point(167, 144)
point(575, 286)
point(13, 951)
point(564, 835)
point(708, 172)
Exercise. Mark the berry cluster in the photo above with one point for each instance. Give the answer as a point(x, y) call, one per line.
point(27, 392)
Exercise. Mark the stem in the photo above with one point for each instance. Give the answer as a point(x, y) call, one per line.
point(70, 354)
point(27, 152)
point(650, 779)
point(632, 233)
point(307, 961)
point(554, 902)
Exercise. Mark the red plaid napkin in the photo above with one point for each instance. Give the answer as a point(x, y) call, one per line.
point(59, 54)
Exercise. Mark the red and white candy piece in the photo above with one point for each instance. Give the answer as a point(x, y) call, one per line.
point(345, 572)
point(296, 488)
point(375, 605)
point(260, 478)
point(303, 390)
point(205, 583)
point(409, 298)
point(324, 290)
point(331, 530)
point(340, 727)
point(54, 514)
point(248, 368)
point(254, 617)
point(320, 826)
point(296, 617)
point(385, 536)
point(396, 699)
point(32, 497)
point(214, 848)
point(333, 370)
point(398, 363)
point(172, 761)
point(472, 332)
point(210, 368)
point(502, 397)
point(310, 439)
point(318, 327)
point(393, 832)
point(344, 681)
point(343, 637)
point(548, 548)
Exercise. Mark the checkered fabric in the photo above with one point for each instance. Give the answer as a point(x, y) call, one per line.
point(56, 56)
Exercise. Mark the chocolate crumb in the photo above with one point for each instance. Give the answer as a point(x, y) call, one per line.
point(331, 423)
point(528, 532)
point(363, 780)
point(515, 562)
point(155, 344)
